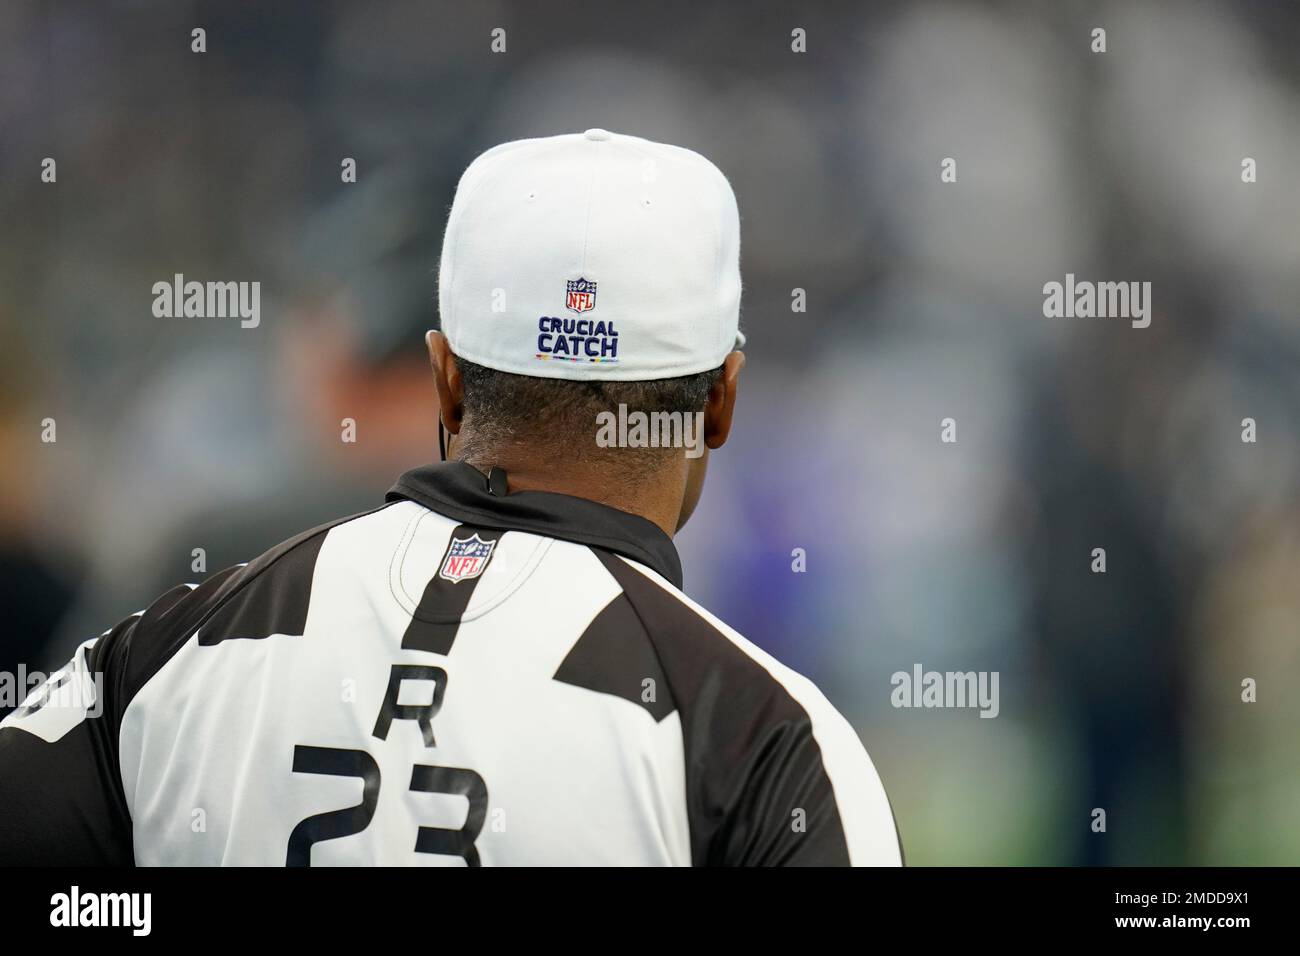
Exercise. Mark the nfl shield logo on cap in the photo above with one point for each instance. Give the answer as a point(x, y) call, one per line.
point(582, 295)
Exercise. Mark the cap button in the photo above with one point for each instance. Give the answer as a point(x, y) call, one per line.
point(597, 135)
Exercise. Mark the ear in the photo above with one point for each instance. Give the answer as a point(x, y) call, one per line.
point(446, 379)
point(722, 401)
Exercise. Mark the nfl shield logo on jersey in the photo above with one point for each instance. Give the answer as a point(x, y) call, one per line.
point(582, 296)
point(466, 558)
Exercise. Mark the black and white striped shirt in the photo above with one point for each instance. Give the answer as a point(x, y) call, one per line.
point(458, 677)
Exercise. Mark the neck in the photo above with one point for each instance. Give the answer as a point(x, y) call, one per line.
point(656, 496)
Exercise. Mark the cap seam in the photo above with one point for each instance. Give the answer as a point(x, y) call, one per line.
point(591, 193)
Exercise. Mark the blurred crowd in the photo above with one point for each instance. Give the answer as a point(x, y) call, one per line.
point(1120, 691)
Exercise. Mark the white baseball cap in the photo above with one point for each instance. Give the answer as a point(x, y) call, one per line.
point(592, 256)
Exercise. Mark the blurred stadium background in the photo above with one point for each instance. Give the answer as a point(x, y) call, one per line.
point(1119, 691)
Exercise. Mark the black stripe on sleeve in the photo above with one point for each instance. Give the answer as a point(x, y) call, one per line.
point(614, 656)
point(272, 603)
point(757, 793)
point(62, 801)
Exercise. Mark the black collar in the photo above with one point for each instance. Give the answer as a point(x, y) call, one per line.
point(461, 491)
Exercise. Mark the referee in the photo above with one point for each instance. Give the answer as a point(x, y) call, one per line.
point(497, 665)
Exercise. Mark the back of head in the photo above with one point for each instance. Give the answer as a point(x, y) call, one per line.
point(582, 276)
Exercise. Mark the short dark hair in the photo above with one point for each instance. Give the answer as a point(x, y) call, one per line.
point(503, 409)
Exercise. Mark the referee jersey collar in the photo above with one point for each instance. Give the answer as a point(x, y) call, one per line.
point(461, 492)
